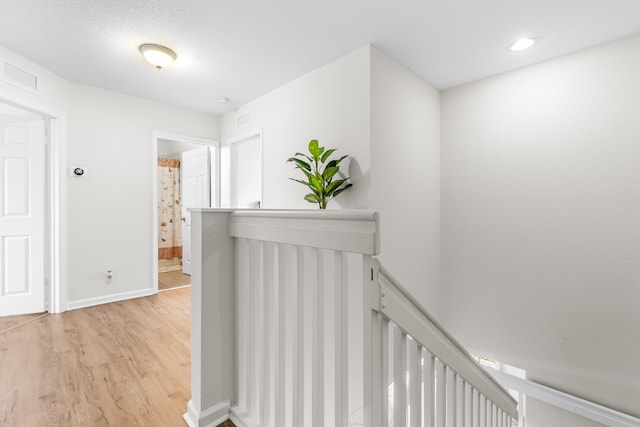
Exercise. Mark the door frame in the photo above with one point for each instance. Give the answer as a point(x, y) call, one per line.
point(157, 136)
point(54, 252)
point(233, 165)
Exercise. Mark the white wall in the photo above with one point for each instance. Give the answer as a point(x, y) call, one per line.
point(405, 178)
point(540, 414)
point(53, 90)
point(541, 220)
point(385, 117)
point(330, 104)
point(111, 210)
point(170, 149)
point(106, 217)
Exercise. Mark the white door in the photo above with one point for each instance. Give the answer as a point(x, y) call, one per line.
point(195, 181)
point(22, 203)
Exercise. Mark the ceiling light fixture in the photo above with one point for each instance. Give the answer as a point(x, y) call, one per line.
point(522, 44)
point(158, 56)
point(223, 99)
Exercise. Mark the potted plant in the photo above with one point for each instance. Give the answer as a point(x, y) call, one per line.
point(320, 173)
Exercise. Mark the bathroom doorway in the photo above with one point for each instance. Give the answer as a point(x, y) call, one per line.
point(187, 176)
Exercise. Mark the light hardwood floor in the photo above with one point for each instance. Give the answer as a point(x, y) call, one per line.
point(119, 364)
point(10, 322)
point(173, 279)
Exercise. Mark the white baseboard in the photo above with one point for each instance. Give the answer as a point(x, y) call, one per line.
point(241, 419)
point(88, 302)
point(210, 417)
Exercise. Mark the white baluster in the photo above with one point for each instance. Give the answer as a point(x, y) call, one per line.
point(476, 408)
point(468, 405)
point(301, 393)
point(483, 411)
point(399, 377)
point(441, 398)
point(428, 385)
point(289, 338)
point(414, 383)
point(451, 397)
point(271, 338)
point(341, 327)
point(242, 319)
point(460, 402)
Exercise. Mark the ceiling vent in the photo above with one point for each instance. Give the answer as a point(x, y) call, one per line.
point(17, 76)
point(243, 120)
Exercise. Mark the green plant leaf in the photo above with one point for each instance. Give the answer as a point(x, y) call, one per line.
point(305, 183)
point(300, 163)
point(331, 164)
point(326, 155)
point(313, 180)
point(320, 172)
point(312, 198)
point(340, 159)
point(333, 186)
point(306, 156)
point(341, 190)
point(315, 150)
point(329, 172)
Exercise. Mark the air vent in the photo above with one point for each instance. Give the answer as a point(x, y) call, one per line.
point(17, 76)
point(243, 119)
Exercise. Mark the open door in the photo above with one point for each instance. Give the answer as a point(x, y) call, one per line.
point(195, 181)
point(22, 221)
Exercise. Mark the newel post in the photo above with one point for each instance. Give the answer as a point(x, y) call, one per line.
point(212, 319)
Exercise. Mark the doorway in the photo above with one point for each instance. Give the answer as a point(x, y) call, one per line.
point(186, 174)
point(246, 171)
point(28, 212)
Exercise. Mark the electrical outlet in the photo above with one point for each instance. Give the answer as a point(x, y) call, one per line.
point(109, 276)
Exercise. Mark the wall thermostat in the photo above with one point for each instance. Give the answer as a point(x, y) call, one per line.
point(78, 171)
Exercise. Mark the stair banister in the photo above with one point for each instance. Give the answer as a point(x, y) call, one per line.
point(295, 324)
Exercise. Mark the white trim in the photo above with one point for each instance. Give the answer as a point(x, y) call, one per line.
point(55, 274)
point(233, 160)
point(210, 417)
point(106, 299)
point(158, 135)
point(241, 419)
point(173, 289)
point(568, 402)
point(340, 230)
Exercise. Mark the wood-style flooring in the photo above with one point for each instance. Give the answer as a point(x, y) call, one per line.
point(120, 364)
point(9, 322)
point(173, 279)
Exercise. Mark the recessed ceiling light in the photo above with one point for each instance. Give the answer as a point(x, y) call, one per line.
point(223, 99)
point(158, 56)
point(522, 44)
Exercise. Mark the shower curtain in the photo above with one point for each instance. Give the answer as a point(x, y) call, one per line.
point(169, 214)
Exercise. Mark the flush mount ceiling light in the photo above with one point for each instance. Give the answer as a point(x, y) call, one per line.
point(158, 56)
point(522, 44)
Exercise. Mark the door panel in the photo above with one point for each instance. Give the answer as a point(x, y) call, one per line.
point(195, 181)
point(22, 198)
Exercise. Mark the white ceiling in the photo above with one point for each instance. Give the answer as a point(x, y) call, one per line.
point(244, 48)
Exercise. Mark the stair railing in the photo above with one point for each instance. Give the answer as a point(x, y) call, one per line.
point(295, 324)
point(421, 376)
